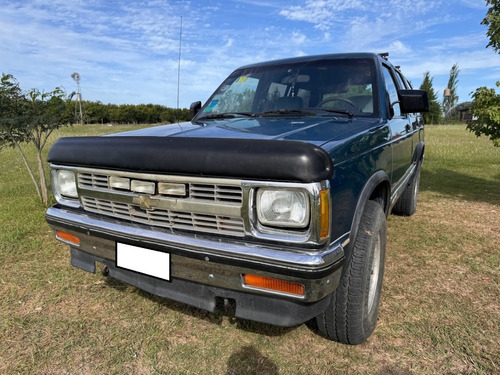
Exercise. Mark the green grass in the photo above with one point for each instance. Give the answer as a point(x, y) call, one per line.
point(439, 313)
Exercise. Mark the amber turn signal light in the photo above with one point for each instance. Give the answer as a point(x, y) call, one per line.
point(325, 214)
point(67, 237)
point(275, 285)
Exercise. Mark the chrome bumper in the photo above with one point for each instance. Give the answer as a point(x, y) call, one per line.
point(199, 259)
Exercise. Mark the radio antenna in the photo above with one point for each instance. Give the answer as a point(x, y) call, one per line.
point(179, 72)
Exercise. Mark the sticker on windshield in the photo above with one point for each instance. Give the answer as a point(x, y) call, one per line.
point(211, 106)
point(242, 79)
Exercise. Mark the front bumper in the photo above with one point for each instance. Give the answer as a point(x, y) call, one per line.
point(203, 269)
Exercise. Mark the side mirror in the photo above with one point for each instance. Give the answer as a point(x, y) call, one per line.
point(195, 108)
point(413, 101)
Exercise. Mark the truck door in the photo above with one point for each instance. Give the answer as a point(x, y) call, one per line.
point(401, 130)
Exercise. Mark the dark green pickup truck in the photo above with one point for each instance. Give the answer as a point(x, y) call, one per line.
point(273, 199)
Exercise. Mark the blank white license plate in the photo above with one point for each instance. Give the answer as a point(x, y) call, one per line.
point(146, 261)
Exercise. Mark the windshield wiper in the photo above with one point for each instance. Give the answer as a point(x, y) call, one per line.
point(280, 112)
point(214, 116)
point(339, 111)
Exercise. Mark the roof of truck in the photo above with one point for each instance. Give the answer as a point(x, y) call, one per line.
point(334, 56)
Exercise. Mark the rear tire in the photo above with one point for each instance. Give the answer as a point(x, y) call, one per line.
point(407, 202)
point(352, 314)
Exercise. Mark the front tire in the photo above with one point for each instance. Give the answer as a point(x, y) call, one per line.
point(352, 314)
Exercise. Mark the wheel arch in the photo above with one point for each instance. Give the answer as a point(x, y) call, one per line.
point(377, 188)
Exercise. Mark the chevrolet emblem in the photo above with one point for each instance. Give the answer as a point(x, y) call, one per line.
point(146, 202)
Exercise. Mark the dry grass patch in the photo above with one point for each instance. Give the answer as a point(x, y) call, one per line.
point(439, 312)
point(445, 288)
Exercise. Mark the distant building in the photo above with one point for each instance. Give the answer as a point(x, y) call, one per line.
point(462, 112)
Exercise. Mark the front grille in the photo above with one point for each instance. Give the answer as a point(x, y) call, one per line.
point(199, 191)
point(166, 218)
point(215, 193)
point(98, 196)
point(93, 180)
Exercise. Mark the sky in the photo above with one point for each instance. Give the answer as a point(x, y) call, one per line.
point(127, 52)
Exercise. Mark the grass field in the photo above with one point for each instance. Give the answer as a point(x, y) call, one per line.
point(440, 309)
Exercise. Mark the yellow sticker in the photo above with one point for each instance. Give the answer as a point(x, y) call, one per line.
point(242, 79)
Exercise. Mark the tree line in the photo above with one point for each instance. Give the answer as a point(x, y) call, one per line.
point(99, 113)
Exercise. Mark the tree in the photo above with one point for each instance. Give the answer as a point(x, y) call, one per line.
point(31, 117)
point(434, 115)
point(486, 108)
point(492, 20)
point(46, 112)
point(486, 102)
point(12, 120)
point(95, 113)
point(449, 101)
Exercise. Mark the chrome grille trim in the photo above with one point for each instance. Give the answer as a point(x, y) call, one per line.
point(211, 205)
point(199, 191)
point(217, 193)
point(93, 180)
point(166, 218)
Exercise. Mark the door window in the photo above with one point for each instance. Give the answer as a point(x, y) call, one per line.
point(392, 91)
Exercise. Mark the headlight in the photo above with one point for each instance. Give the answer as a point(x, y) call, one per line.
point(64, 187)
point(283, 208)
point(66, 183)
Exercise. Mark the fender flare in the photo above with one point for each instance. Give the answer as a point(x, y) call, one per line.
point(378, 178)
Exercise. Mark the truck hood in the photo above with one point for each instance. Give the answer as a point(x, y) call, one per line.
point(317, 130)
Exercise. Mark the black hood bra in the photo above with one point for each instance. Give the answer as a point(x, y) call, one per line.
point(229, 158)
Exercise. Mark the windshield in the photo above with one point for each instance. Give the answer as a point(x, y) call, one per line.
point(342, 86)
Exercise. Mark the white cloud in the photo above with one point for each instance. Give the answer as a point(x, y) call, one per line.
point(322, 13)
point(471, 64)
point(475, 4)
point(298, 38)
point(330, 14)
point(399, 48)
point(127, 52)
point(471, 41)
point(260, 3)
